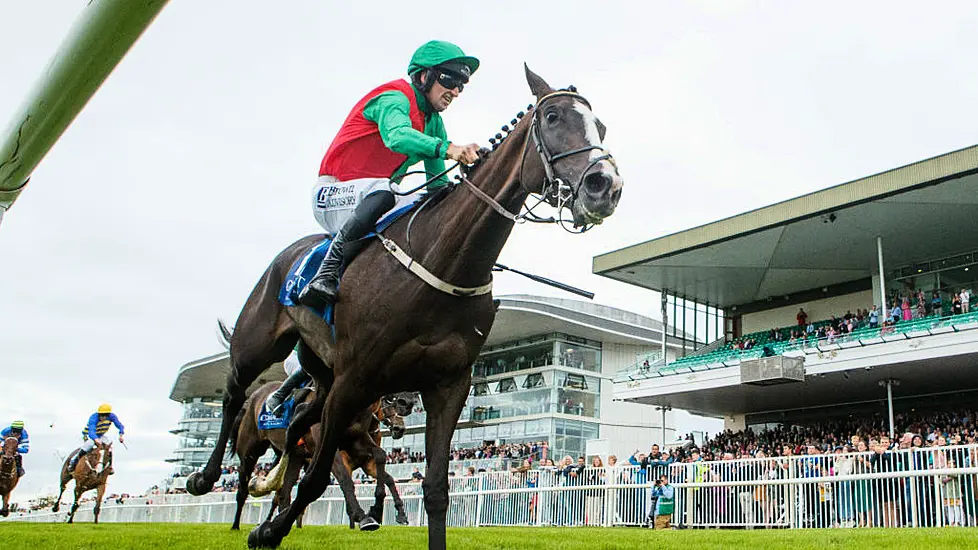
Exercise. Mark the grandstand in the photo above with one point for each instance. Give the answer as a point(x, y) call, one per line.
point(545, 375)
point(904, 238)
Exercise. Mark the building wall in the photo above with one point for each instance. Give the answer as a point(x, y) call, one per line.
point(817, 310)
point(626, 439)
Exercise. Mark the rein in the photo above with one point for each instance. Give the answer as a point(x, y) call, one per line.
point(555, 191)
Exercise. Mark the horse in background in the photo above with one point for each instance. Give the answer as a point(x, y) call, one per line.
point(91, 472)
point(9, 476)
point(361, 449)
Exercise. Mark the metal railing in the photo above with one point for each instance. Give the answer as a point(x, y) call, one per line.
point(930, 487)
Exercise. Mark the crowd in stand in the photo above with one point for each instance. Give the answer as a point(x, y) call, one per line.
point(904, 306)
point(925, 429)
point(533, 450)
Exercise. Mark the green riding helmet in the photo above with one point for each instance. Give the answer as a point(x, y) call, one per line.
point(443, 55)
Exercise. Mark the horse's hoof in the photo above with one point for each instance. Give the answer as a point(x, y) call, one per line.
point(5, 512)
point(402, 519)
point(197, 485)
point(263, 536)
point(369, 524)
point(56, 507)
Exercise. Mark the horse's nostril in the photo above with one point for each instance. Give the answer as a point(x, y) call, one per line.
point(597, 183)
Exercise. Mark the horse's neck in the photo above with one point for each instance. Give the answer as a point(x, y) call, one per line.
point(465, 235)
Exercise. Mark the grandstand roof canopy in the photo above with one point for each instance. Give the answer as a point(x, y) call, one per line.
point(922, 211)
point(834, 389)
point(519, 316)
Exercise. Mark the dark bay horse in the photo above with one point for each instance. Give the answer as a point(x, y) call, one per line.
point(87, 476)
point(395, 331)
point(360, 446)
point(8, 472)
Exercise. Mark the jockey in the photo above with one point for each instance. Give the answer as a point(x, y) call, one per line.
point(295, 378)
point(392, 128)
point(16, 429)
point(98, 425)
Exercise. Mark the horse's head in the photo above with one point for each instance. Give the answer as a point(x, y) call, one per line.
point(401, 403)
point(578, 172)
point(10, 445)
point(396, 426)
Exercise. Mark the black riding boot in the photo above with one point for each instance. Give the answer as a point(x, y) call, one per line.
point(325, 285)
point(74, 461)
point(20, 466)
point(275, 401)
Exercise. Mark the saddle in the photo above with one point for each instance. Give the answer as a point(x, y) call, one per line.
point(304, 268)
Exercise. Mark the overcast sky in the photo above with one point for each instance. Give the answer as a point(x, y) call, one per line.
point(191, 168)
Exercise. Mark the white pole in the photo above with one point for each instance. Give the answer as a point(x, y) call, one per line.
point(99, 39)
point(663, 446)
point(889, 403)
point(665, 324)
point(879, 253)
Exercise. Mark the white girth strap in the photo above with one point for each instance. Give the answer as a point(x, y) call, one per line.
point(428, 277)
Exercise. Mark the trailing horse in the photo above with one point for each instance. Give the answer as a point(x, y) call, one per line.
point(91, 472)
point(359, 448)
point(420, 328)
point(9, 476)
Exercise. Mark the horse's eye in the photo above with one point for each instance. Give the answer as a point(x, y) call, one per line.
point(552, 117)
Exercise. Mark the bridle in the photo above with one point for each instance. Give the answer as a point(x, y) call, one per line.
point(388, 410)
point(555, 191)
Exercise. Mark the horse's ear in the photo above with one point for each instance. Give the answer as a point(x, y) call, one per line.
point(601, 128)
point(538, 86)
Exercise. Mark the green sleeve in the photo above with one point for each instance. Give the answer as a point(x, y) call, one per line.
point(433, 166)
point(391, 111)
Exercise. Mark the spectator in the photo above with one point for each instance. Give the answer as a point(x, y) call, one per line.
point(665, 503)
point(802, 317)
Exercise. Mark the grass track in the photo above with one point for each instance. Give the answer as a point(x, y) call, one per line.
point(181, 536)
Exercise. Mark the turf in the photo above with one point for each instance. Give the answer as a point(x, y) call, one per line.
point(139, 536)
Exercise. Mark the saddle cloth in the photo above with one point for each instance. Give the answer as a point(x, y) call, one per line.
point(268, 421)
point(304, 268)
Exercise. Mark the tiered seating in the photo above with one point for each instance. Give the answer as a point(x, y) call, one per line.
point(727, 355)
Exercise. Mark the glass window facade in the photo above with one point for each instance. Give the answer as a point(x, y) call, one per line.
point(518, 389)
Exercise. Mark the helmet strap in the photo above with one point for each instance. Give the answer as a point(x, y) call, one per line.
point(429, 81)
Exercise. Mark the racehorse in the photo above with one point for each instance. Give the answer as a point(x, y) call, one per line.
point(87, 476)
point(420, 328)
point(9, 476)
point(360, 448)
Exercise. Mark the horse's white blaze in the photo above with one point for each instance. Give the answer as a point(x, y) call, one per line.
point(591, 133)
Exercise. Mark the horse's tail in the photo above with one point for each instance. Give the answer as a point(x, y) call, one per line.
point(235, 426)
point(225, 334)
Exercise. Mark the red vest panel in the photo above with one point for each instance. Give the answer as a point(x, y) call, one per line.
point(358, 151)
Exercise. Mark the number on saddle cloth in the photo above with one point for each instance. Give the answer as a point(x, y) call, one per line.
point(303, 270)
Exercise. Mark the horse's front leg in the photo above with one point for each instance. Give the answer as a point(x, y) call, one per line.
point(353, 510)
point(342, 404)
point(284, 494)
point(376, 468)
point(74, 506)
point(401, 517)
point(444, 405)
point(5, 511)
point(98, 498)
